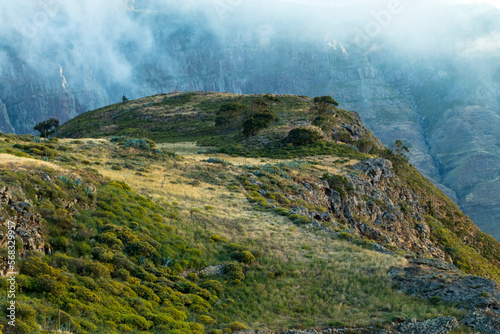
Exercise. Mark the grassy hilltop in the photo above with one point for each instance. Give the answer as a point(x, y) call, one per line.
point(207, 213)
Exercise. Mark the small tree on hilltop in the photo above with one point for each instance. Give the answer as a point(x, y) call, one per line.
point(323, 103)
point(46, 128)
point(259, 121)
point(227, 113)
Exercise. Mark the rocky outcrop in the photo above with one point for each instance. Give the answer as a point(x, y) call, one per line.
point(43, 88)
point(441, 325)
point(28, 227)
point(484, 322)
point(5, 125)
point(373, 205)
point(442, 282)
point(376, 169)
point(217, 270)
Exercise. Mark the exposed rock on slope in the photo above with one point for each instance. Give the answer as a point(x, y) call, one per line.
point(441, 325)
point(374, 206)
point(439, 281)
point(28, 227)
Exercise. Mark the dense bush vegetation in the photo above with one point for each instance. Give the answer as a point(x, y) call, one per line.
point(302, 136)
point(259, 121)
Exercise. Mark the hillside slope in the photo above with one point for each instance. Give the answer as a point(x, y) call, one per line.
point(410, 199)
point(309, 222)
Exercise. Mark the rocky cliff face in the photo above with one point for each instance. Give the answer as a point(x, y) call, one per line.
point(32, 92)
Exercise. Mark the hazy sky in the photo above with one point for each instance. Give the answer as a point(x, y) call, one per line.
point(495, 3)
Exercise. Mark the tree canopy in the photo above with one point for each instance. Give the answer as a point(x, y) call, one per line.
point(227, 113)
point(47, 127)
point(323, 104)
point(325, 99)
point(259, 121)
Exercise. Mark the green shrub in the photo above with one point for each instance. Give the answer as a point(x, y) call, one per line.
point(216, 238)
point(214, 286)
point(325, 99)
point(179, 100)
point(193, 277)
point(22, 327)
point(143, 144)
point(124, 328)
point(244, 257)
point(121, 274)
point(234, 271)
point(237, 326)
point(325, 121)
point(120, 184)
point(25, 312)
point(302, 136)
point(111, 240)
point(215, 331)
point(435, 300)
point(140, 248)
point(258, 122)
point(135, 321)
point(345, 236)
point(102, 254)
point(300, 219)
point(197, 308)
point(282, 211)
point(339, 183)
point(208, 320)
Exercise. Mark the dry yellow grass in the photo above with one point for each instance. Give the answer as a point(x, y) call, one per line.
point(14, 161)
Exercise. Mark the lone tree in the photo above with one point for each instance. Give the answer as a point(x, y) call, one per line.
point(124, 98)
point(323, 103)
point(259, 121)
point(46, 128)
point(399, 149)
point(227, 113)
point(397, 153)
